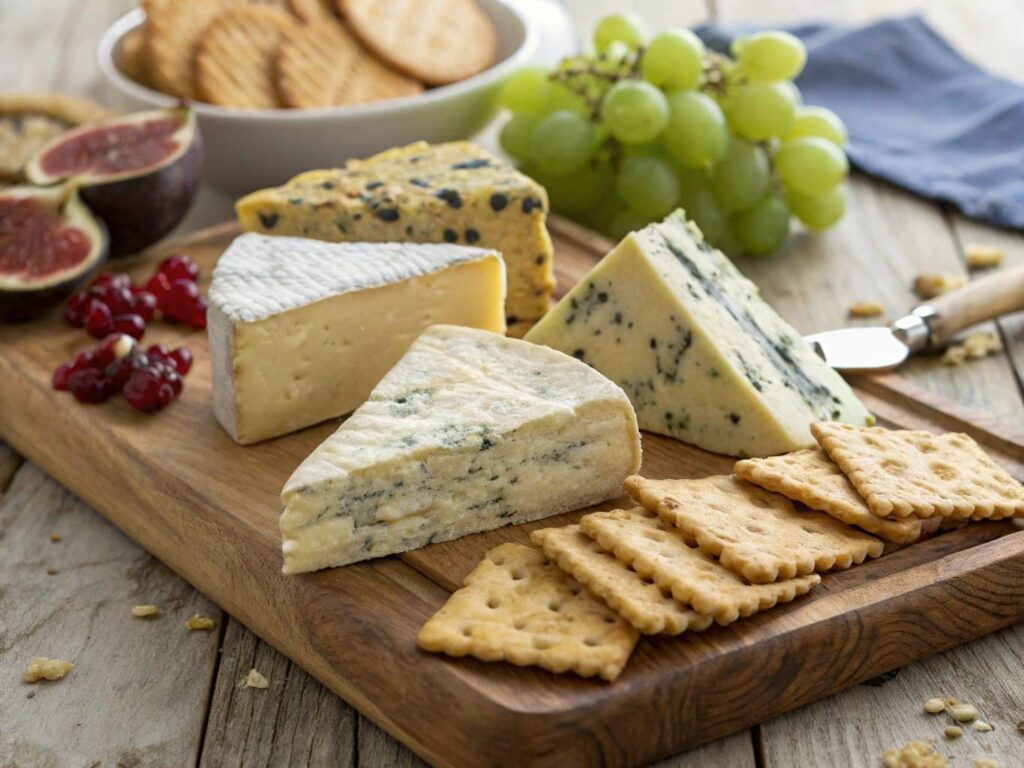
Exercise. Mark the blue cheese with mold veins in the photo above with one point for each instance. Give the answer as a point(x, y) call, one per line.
point(301, 330)
point(469, 431)
point(701, 355)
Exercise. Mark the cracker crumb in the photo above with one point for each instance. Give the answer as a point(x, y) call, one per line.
point(982, 727)
point(197, 622)
point(52, 571)
point(985, 762)
point(930, 286)
point(974, 347)
point(934, 706)
point(866, 309)
point(964, 713)
point(255, 680)
point(954, 355)
point(41, 668)
point(983, 256)
point(145, 611)
point(953, 731)
point(55, 537)
point(1020, 726)
point(914, 754)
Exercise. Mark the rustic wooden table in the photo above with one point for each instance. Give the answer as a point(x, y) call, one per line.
point(150, 694)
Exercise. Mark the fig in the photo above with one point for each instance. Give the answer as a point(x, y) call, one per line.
point(50, 244)
point(138, 173)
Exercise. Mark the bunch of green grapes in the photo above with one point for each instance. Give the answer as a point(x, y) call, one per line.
point(623, 136)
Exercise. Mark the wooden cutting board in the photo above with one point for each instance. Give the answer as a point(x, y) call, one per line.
point(208, 508)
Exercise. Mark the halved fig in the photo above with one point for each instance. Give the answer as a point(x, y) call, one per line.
point(50, 244)
point(137, 172)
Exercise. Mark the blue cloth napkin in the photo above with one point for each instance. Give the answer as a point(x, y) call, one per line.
point(919, 115)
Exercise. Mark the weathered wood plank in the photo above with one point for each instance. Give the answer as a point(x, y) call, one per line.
point(888, 233)
point(138, 692)
point(294, 722)
point(9, 463)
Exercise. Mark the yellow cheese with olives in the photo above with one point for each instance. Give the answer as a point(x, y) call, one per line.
point(423, 193)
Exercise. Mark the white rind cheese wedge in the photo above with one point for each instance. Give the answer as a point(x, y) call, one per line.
point(301, 330)
point(469, 431)
point(702, 357)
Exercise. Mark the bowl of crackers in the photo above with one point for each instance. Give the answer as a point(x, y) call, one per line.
point(284, 86)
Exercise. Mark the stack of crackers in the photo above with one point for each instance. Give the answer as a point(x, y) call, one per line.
point(714, 550)
point(267, 54)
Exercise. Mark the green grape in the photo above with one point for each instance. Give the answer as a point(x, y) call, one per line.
point(647, 149)
point(516, 136)
point(818, 211)
point(818, 121)
point(696, 199)
point(626, 28)
point(762, 228)
point(741, 177)
point(770, 56)
point(562, 143)
point(627, 220)
point(810, 165)
point(580, 191)
point(648, 185)
point(559, 98)
point(601, 216)
point(727, 243)
point(525, 90)
point(634, 111)
point(761, 111)
point(674, 59)
point(696, 132)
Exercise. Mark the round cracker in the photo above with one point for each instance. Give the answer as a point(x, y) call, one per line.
point(312, 11)
point(433, 41)
point(172, 32)
point(235, 57)
point(325, 66)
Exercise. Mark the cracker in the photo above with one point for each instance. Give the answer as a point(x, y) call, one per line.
point(904, 472)
point(651, 547)
point(173, 30)
point(433, 41)
point(325, 66)
point(235, 57)
point(312, 11)
point(639, 601)
point(758, 534)
point(517, 606)
point(811, 478)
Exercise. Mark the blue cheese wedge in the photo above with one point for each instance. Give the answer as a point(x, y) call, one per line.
point(423, 193)
point(301, 330)
point(701, 355)
point(469, 431)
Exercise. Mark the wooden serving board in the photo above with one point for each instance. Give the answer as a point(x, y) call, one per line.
point(208, 508)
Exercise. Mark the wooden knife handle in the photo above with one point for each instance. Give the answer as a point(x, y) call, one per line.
point(980, 300)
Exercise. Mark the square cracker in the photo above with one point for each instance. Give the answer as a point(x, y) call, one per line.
point(758, 534)
point(904, 473)
point(810, 477)
point(648, 545)
point(639, 601)
point(518, 606)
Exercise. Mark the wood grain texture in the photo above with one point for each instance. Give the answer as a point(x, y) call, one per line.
point(119, 706)
point(9, 463)
point(354, 627)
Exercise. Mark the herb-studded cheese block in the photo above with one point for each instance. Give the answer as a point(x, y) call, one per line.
point(702, 357)
point(302, 330)
point(443, 193)
point(469, 431)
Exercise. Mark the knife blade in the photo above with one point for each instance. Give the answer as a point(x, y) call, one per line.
point(929, 326)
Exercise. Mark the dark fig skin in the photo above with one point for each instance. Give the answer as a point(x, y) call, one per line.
point(139, 211)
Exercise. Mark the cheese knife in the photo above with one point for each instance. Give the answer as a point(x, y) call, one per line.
point(928, 327)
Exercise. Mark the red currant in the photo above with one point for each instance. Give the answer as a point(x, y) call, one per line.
point(159, 284)
point(144, 305)
point(119, 300)
point(174, 379)
point(182, 360)
point(89, 386)
point(85, 358)
point(197, 319)
point(180, 300)
point(114, 347)
point(158, 351)
point(98, 322)
point(133, 325)
point(178, 267)
point(78, 308)
point(147, 391)
point(61, 375)
point(113, 279)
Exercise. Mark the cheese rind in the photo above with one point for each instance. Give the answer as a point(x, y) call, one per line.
point(469, 431)
point(442, 193)
point(301, 331)
point(702, 357)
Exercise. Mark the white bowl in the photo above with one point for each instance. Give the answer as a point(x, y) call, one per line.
point(247, 149)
